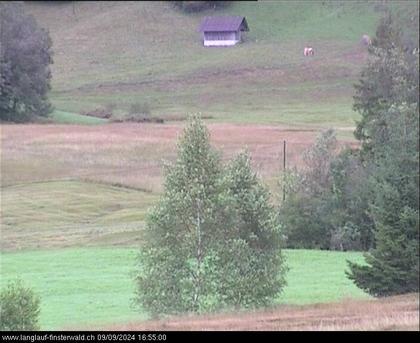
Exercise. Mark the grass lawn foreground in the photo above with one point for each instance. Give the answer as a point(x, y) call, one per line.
point(81, 286)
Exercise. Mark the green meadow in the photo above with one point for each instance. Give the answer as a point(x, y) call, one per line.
point(62, 117)
point(87, 286)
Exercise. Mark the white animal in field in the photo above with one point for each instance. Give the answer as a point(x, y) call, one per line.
point(366, 41)
point(308, 51)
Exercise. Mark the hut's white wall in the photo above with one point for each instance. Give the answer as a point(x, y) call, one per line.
point(220, 38)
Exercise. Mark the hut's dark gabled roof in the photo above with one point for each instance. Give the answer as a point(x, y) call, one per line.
point(223, 23)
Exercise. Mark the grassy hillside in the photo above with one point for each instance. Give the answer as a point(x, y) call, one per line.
point(149, 52)
point(93, 286)
point(61, 117)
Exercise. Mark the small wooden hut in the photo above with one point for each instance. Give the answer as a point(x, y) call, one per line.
point(223, 30)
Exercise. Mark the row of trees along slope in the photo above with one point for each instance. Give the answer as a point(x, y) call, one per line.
point(368, 198)
point(25, 57)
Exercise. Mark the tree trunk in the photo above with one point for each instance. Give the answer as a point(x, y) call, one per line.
point(199, 259)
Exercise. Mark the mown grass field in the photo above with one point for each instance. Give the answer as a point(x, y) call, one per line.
point(71, 213)
point(92, 286)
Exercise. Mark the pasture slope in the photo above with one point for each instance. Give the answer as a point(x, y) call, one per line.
point(74, 193)
point(121, 53)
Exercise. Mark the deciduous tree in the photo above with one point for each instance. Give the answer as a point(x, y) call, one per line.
point(25, 57)
point(213, 240)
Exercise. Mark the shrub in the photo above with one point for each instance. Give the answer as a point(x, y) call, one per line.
point(110, 107)
point(197, 6)
point(304, 213)
point(141, 109)
point(19, 308)
point(327, 202)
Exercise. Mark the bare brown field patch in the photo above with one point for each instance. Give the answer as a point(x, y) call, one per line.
point(393, 313)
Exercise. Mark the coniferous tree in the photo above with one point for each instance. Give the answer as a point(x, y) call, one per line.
point(391, 77)
point(393, 266)
point(389, 131)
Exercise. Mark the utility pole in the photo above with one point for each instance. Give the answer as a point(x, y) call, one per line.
point(284, 170)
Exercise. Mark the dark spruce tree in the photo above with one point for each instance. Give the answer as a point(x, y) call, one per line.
point(393, 266)
point(391, 77)
point(25, 57)
point(387, 99)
